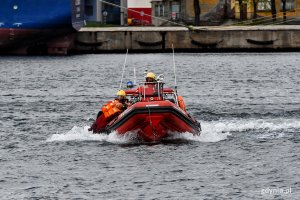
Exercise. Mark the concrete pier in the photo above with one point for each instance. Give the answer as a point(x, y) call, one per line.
point(192, 39)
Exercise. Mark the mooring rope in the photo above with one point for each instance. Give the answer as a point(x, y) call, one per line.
point(151, 125)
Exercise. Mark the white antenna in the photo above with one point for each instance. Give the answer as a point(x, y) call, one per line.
point(134, 77)
point(123, 69)
point(174, 68)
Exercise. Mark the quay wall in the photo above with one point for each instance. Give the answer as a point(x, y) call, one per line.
point(192, 39)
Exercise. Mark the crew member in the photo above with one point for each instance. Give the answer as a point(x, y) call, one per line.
point(110, 111)
point(122, 103)
point(129, 84)
point(150, 78)
point(148, 91)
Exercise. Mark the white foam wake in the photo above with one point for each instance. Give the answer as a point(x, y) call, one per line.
point(209, 133)
point(212, 131)
point(272, 124)
point(215, 131)
point(203, 137)
point(82, 134)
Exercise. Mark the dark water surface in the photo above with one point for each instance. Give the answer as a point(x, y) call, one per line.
point(248, 105)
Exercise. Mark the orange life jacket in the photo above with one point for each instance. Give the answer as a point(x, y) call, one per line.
point(181, 103)
point(110, 108)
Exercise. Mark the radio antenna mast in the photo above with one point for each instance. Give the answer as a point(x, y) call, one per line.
point(174, 65)
point(123, 69)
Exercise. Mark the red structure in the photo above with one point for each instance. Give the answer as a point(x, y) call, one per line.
point(139, 12)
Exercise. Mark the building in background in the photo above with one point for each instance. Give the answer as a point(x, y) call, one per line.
point(97, 11)
point(168, 10)
point(213, 12)
point(139, 12)
point(258, 9)
point(93, 10)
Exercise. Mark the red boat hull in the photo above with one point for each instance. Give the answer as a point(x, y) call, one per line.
point(154, 121)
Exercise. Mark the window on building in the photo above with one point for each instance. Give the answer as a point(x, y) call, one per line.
point(159, 10)
point(77, 2)
point(89, 10)
point(175, 10)
point(264, 5)
point(289, 5)
point(88, 2)
point(156, 9)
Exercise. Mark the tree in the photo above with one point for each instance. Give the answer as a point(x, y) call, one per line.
point(284, 9)
point(241, 9)
point(255, 8)
point(197, 12)
point(273, 10)
point(225, 10)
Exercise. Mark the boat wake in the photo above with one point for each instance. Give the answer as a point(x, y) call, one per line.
point(212, 131)
point(215, 131)
point(255, 128)
point(83, 134)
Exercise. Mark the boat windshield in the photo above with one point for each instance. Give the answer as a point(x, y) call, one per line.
point(151, 92)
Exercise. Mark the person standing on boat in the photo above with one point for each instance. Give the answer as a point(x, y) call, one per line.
point(148, 90)
point(150, 78)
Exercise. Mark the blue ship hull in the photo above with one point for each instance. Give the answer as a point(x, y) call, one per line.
point(25, 23)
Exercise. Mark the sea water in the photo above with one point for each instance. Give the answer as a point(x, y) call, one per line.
point(248, 105)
